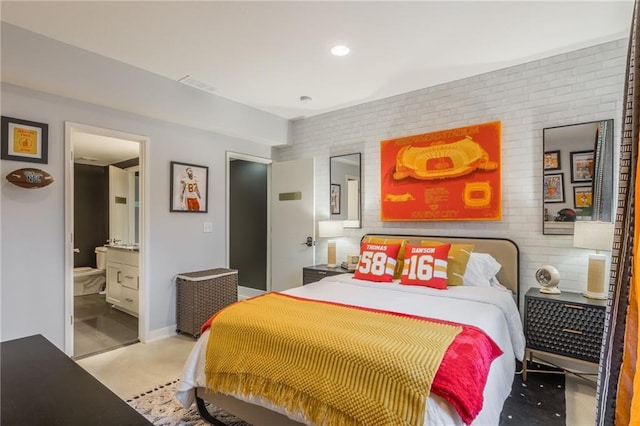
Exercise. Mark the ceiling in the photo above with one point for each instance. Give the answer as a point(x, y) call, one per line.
point(268, 54)
point(98, 150)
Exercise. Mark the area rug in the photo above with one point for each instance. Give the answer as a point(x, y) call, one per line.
point(539, 401)
point(160, 406)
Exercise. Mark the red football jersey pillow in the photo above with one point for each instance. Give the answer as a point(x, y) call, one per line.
point(426, 266)
point(377, 262)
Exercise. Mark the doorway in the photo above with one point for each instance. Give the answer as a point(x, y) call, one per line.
point(248, 224)
point(290, 220)
point(105, 224)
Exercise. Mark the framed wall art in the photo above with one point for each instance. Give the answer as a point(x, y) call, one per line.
point(554, 188)
point(335, 198)
point(24, 140)
point(189, 186)
point(582, 197)
point(552, 160)
point(446, 175)
point(581, 166)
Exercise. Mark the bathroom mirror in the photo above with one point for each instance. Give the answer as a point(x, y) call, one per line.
point(345, 190)
point(577, 175)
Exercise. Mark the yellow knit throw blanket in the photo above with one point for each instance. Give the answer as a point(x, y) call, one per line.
point(339, 365)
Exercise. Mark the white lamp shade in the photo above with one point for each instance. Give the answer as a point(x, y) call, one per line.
point(593, 235)
point(330, 228)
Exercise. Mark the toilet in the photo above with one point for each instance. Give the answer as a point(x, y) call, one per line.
point(87, 280)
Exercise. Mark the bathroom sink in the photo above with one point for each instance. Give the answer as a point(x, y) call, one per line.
point(124, 246)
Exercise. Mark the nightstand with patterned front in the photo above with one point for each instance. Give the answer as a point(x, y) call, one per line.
point(311, 274)
point(566, 325)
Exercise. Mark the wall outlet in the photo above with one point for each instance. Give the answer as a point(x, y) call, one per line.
point(207, 227)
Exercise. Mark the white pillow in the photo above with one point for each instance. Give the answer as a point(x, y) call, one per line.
point(481, 269)
point(496, 284)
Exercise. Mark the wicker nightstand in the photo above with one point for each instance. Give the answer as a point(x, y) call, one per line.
point(566, 325)
point(311, 274)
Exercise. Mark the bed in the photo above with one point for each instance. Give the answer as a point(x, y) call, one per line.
point(487, 300)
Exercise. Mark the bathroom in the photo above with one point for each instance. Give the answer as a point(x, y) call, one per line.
point(106, 224)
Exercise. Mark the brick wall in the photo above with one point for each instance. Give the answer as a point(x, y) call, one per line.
point(580, 86)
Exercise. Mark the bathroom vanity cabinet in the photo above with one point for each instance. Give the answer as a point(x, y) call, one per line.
point(123, 279)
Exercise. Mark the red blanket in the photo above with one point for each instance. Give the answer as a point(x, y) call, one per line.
point(463, 371)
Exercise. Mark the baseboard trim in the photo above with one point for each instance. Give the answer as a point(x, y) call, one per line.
point(161, 333)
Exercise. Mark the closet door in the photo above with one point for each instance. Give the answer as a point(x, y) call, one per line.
point(292, 220)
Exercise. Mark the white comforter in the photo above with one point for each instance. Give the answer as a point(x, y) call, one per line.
point(491, 309)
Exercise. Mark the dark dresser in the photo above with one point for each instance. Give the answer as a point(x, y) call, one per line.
point(41, 385)
point(311, 274)
point(568, 325)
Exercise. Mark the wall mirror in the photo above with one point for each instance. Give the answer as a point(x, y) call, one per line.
point(345, 189)
point(577, 175)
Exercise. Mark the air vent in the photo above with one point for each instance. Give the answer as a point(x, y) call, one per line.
point(197, 84)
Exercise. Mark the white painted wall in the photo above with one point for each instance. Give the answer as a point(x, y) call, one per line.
point(580, 86)
point(52, 83)
point(32, 221)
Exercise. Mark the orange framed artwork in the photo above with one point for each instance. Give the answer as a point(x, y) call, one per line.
point(452, 174)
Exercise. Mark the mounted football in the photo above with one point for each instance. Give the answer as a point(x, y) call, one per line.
point(30, 178)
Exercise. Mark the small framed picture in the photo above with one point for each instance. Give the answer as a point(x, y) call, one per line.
point(581, 166)
point(188, 188)
point(24, 140)
point(582, 197)
point(552, 160)
point(554, 188)
point(335, 198)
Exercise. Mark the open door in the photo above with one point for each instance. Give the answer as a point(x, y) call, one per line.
point(292, 221)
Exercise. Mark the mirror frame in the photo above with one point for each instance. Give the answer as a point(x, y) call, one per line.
point(348, 223)
point(602, 175)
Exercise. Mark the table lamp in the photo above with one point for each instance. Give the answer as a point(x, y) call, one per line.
point(596, 236)
point(330, 229)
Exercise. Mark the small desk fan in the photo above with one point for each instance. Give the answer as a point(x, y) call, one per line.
point(548, 277)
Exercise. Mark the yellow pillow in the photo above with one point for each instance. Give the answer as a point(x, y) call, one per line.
point(397, 273)
point(458, 259)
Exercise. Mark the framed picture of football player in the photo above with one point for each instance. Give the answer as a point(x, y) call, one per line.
point(24, 140)
point(189, 188)
point(554, 188)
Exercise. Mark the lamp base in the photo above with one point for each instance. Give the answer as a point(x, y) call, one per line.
point(595, 277)
point(331, 254)
point(592, 295)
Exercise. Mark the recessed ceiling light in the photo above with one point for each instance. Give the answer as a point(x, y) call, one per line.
point(340, 50)
point(305, 99)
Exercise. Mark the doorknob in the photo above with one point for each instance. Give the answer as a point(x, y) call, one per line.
point(309, 242)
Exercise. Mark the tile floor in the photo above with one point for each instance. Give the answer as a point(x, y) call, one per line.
point(139, 367)
point(99, 327)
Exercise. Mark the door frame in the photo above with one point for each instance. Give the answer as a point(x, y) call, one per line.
point(143, 317)
point(244, 292)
